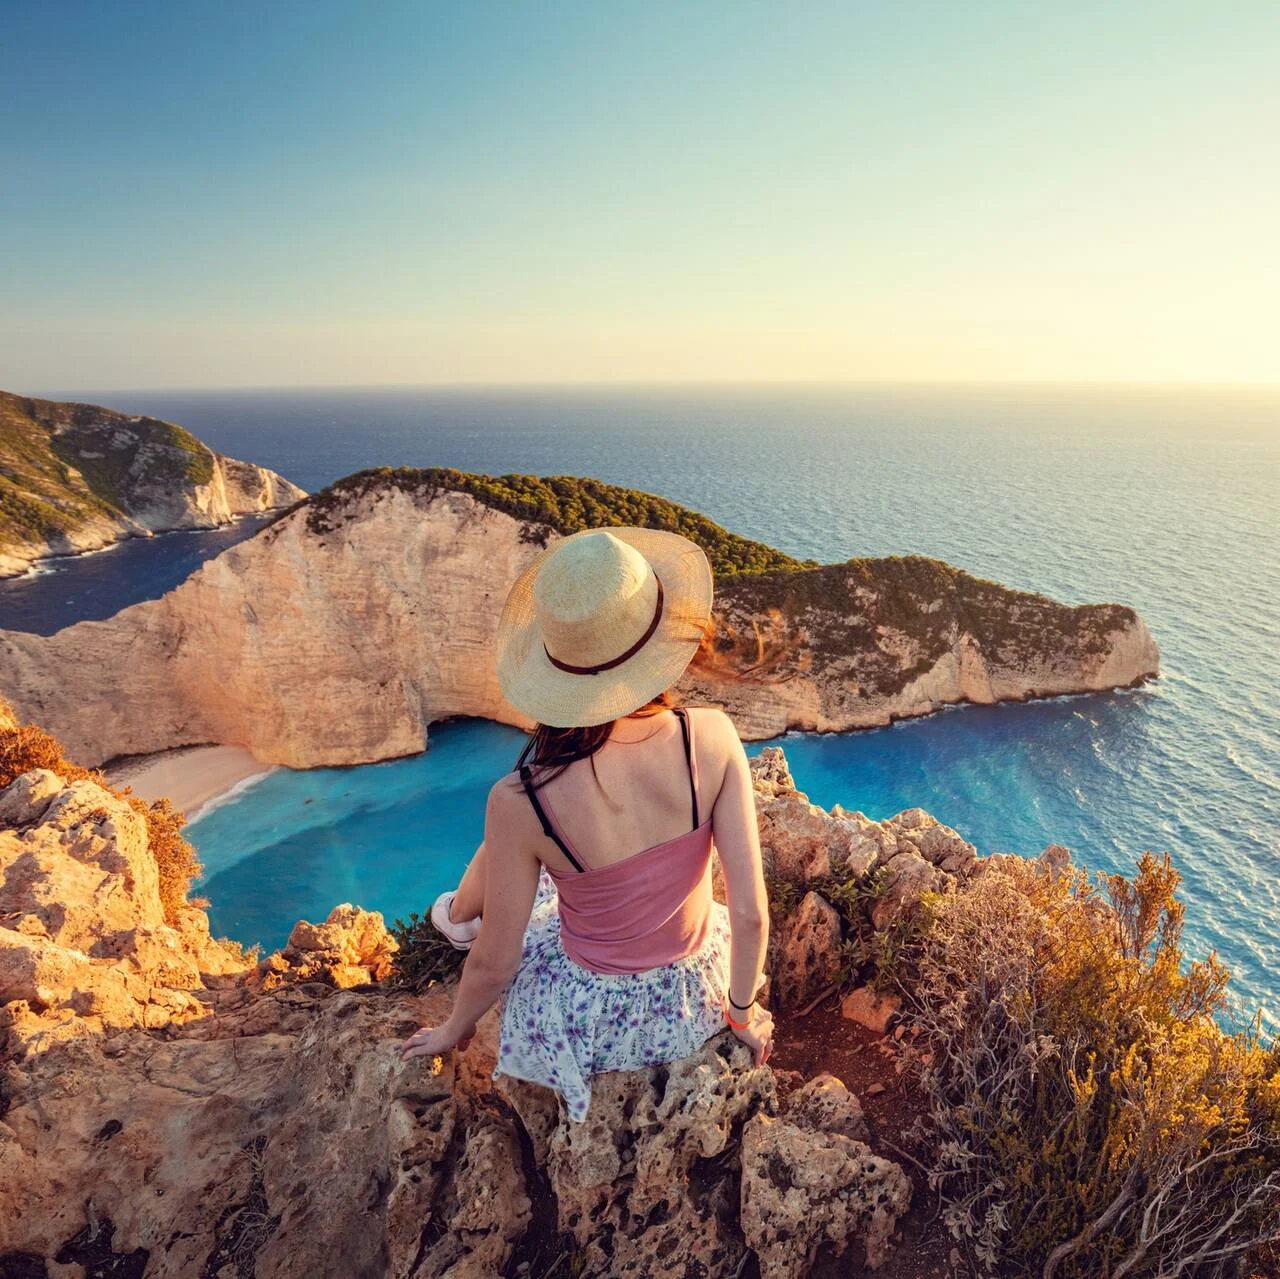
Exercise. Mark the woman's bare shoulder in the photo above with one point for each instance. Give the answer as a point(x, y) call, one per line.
point(714, 728)
point(713, 715)
point(507, 784)
point(507, 793)
point(508, 814)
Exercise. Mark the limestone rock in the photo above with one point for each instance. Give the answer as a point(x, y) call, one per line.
point(770, 774)
point(802, 1189)
point(824, 1104)
point(539, 1112)
point(1056, 859)
point(85, 946)
point(925, 857)
point(895, 861)
point(492, 1211)
point(25, 800)
point(870, 1009)
point(621, 1177)
point(803, 842)
point(383, 597)
point(939, 845)
point(315, 1151)
point(351, 948)
point(804, 949)
point(907, 878)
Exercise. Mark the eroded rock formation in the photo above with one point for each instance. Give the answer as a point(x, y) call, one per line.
point(877, 873)
point(341, 632)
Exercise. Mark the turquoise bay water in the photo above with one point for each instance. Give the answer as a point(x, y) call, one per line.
point(386, 836)
point(1164, 500)
point(391, 836)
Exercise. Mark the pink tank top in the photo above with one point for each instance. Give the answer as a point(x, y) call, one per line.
point(645, 911)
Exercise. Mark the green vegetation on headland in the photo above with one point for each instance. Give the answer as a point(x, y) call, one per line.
point(777, 615)
point(62, 464)
point(846, 607)
point(567, 504)
point(561, 503)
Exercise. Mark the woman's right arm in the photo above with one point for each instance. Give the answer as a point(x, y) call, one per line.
point(737, 839)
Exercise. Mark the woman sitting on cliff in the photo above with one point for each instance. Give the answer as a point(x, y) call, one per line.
point(593, 883)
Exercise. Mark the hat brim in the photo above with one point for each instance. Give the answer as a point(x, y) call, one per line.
point(563, 700)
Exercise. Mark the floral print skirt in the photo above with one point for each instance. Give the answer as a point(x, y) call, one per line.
point(562, 1023)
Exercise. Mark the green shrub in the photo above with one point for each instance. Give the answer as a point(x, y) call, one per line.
point(1093, 1119)
point(564, 503)
point(883, 958)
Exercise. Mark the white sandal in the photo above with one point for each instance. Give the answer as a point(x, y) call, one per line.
point(460, 935)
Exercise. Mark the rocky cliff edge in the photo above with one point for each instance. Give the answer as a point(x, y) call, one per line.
point(170, 1107)
point(78, 477)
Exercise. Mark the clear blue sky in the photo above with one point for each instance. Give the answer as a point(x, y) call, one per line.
point(278, 193)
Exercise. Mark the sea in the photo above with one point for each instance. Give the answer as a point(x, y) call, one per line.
point(1163, 498)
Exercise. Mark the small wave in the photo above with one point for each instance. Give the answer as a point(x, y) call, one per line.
point(1253, 770)
point(230, 795)
point(93, 550)
point(41, 568)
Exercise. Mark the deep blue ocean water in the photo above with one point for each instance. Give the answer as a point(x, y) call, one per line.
point(1162, 499)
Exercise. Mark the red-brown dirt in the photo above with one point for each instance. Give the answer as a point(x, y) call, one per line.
point(866, 1063)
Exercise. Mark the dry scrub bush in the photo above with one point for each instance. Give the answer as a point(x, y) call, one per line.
point(1093, 1118)
point(24, 747)
point(424, 955)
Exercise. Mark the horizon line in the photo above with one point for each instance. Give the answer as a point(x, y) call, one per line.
point(871, 384)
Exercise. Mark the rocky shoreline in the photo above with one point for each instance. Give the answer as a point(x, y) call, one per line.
point(77, 478)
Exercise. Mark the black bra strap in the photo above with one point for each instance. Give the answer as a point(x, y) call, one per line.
point(526, 780)
point(688, 759)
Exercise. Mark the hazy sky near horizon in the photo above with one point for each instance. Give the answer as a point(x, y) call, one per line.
point(249, 194)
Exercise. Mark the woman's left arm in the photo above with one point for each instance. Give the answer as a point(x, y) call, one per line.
point(511, 882)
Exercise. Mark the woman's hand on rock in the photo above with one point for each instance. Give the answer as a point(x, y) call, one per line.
point(431, 1041)
point(757, 1034)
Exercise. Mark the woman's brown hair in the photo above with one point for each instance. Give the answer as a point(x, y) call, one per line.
point(549, 751)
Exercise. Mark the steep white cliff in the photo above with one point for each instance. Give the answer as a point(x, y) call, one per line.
point(341, 632)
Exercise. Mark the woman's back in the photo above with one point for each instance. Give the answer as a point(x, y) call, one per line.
point(634, 793)
point(593, 883)
point(635, 903)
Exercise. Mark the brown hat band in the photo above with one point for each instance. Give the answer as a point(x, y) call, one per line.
point(617, 661)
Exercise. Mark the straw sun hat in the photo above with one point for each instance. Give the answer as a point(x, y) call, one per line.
point(601, 623)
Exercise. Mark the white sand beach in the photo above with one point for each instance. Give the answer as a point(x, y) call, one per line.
point(193, 777)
